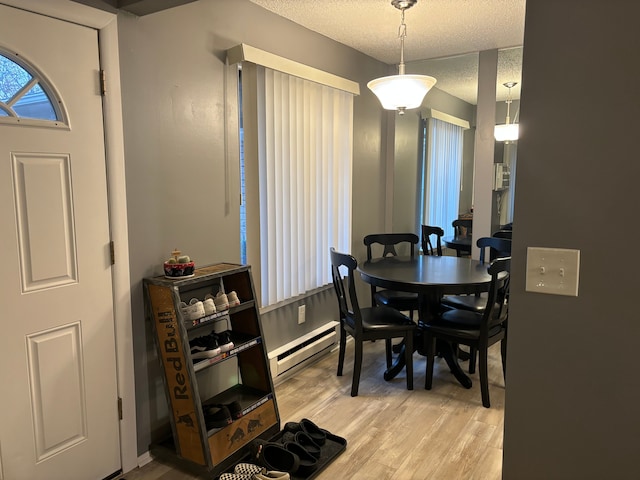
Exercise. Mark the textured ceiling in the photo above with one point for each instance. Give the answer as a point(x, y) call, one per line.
point(444, 31)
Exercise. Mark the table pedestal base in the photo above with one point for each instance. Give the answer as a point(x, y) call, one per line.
point(445, 349)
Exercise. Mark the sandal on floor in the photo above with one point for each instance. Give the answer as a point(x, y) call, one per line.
point(274, 457)
point(308, 463)
point(307, 442)
point(317, 434)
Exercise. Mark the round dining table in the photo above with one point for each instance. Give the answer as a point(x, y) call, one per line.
point(460, 243)
point(431, 277)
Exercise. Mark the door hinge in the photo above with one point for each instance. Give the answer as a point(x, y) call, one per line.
point(119, 408)
point(112, 252)
point(103, 83)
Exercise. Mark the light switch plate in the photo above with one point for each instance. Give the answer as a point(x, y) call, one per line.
point(553, 270)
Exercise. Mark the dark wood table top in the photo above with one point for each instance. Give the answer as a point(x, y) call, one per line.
point(426, 273)
point(454, 242)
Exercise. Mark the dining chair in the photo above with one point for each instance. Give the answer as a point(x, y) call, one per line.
point(476, 330)
point(389, 244)
point(496, 248)
point(427, 245)
point(368, 323)
point(462, 228)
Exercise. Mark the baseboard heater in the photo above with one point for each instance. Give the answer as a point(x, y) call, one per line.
point(301, 350)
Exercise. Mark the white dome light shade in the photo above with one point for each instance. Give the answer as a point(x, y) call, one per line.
point(401, 92)
point(506, 133)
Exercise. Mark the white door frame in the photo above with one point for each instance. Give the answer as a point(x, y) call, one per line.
point(107, 26)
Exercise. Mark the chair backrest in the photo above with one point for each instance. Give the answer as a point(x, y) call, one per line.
point(497, 309)
point(390, 241)
point(462, 227)
point(347, 297)
point(427, 246)
point(503, 234)
point(498, 247)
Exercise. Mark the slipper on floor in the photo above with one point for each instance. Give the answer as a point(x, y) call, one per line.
point(317, 434)
point(308, 463)
point(307, 442)
point(274, 457)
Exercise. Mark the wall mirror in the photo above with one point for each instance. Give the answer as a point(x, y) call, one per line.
point(455, 94)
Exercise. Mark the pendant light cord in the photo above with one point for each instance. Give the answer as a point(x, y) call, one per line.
point(402, 33)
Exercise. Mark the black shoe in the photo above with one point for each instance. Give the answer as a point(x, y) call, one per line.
point(274, 456)
point(317, 434)
point(204, 347)
point(224, 339)
point(308, 463)
point(307, 443)
point(217, 417)
point(235, 409)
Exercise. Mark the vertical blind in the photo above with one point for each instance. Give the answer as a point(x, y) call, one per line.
point(442, 167)
point(305, 163)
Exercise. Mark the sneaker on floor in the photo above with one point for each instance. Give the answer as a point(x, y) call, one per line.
point(247, 468)
point(204, 347)
point(272, 474)
point(236, 476)
point(224, 339)
point(233, 299)
point(221, 301)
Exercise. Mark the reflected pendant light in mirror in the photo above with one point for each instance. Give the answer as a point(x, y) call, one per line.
point(401, 92)
point(509, 131)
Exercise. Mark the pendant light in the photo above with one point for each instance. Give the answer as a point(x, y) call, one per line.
point(401, 92)
point(509, 131)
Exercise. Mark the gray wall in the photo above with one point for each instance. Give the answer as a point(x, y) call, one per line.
point(573, 388)
point(179, 175)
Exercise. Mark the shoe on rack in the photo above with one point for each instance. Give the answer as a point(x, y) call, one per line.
point(224, 340)
point(204, 347)
point(217, 417)
point(209, 305)
point(233, 299)
point(222, 301)
point(193, 311)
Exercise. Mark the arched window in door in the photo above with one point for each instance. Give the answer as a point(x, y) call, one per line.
point(25, 95)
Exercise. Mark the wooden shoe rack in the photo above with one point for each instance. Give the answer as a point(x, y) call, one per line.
point(241, 375)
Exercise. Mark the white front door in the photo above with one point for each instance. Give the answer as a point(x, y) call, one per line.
point(58, 406)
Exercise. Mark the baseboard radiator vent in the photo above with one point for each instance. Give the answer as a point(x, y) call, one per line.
point(301, 351)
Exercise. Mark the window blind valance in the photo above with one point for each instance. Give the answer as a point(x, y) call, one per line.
point(247, 53)
point(445, 117)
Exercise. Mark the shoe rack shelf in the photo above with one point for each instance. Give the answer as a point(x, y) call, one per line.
point(238, 375)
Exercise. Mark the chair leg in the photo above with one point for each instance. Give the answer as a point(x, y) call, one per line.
point(503, 354)
point(343, 346)
point(472, 359)
point(484, 377)
point(431, 348)
point(357, 366)
point(408, 356)
point(387, 350)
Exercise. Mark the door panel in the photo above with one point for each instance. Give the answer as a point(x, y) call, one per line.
point(58, 407)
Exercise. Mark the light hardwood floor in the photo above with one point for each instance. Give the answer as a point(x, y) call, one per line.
point(392, 433)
